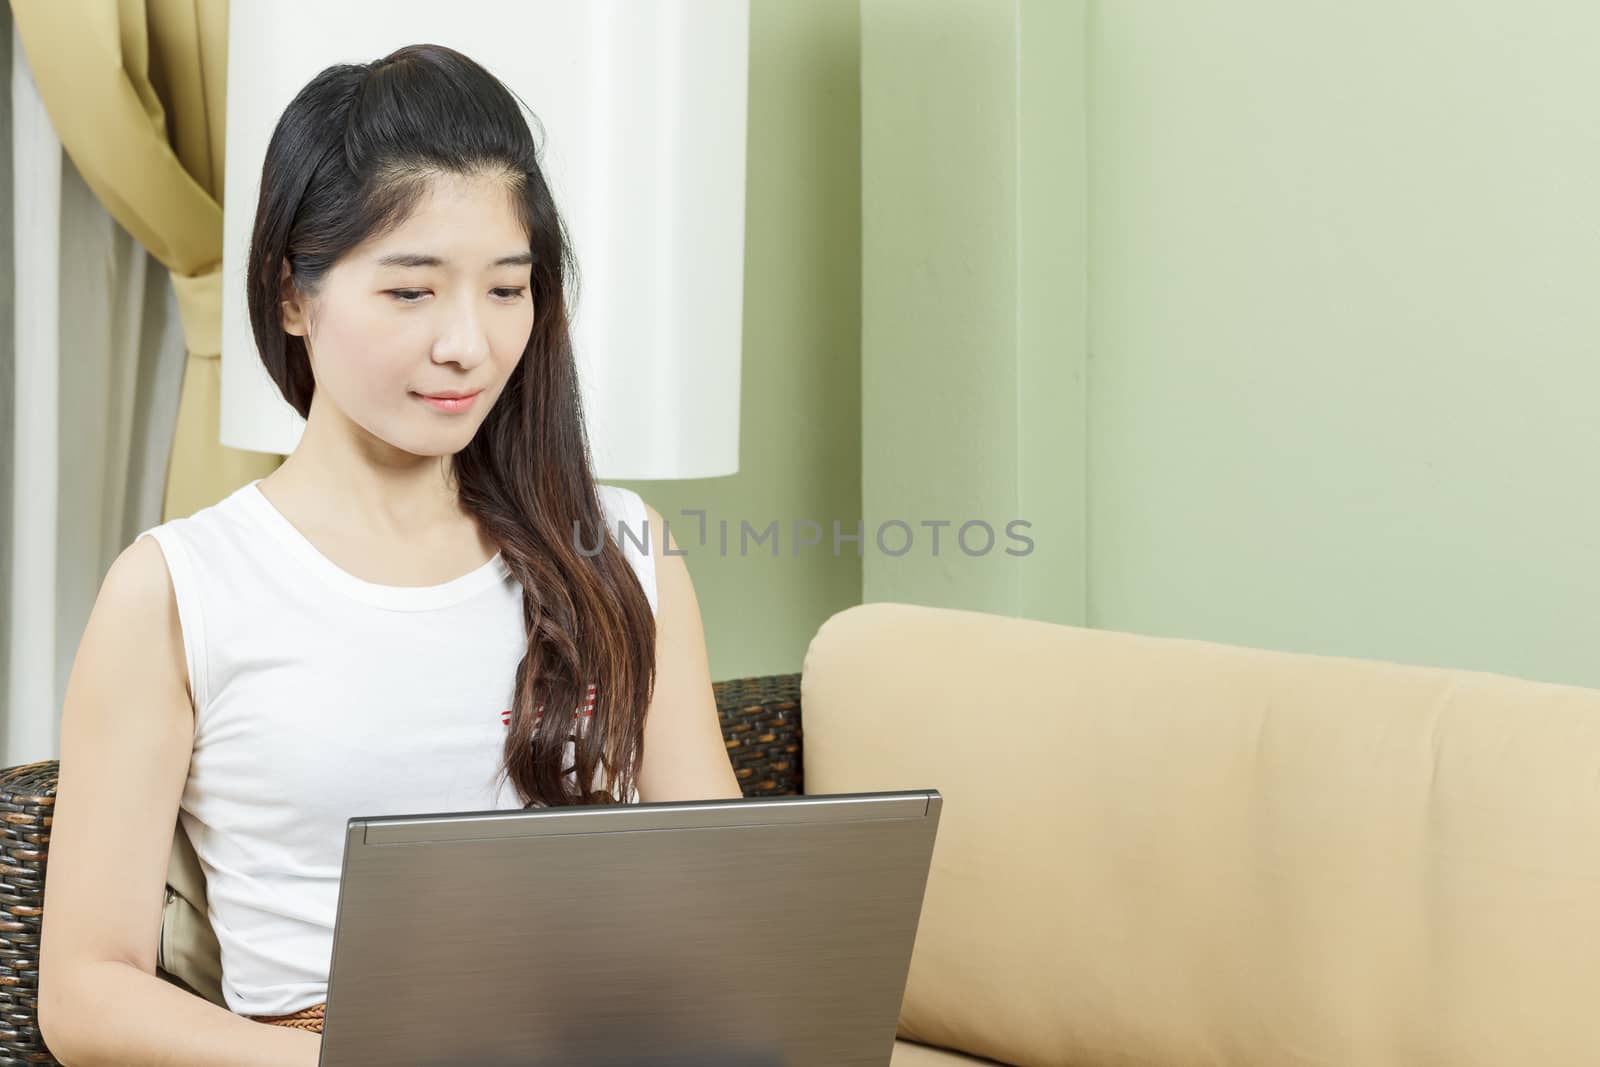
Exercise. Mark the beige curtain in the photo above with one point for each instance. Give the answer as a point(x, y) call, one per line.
point(136, 90)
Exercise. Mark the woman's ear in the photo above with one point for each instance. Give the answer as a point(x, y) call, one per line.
point(291, 308)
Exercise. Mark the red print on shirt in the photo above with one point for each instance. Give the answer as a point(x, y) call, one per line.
point(588, 709)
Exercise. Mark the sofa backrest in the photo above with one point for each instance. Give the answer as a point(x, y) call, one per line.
point(1163, 851)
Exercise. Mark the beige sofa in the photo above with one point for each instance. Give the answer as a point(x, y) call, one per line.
point(1169, 853)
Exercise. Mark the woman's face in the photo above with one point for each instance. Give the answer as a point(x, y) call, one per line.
point(440, 304)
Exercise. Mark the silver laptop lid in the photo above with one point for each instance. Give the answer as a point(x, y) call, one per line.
point(723, 933)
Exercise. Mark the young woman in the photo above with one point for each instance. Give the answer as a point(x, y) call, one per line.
point(430, 606)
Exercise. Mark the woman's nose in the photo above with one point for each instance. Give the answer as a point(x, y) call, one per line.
point(464, 341)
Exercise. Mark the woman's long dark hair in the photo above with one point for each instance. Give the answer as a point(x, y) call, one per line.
point(349, 159)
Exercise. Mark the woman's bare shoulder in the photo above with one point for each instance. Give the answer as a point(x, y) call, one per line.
point(138, 597)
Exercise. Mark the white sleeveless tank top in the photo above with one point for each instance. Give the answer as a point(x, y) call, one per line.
point(320, 697)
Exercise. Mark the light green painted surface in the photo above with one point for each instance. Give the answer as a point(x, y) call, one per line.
point(1344, 376)
point(800, 437)
point(1276, 320)
point(972, 329)
point(1052, 307)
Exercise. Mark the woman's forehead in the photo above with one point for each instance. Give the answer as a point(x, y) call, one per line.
point(472, 233)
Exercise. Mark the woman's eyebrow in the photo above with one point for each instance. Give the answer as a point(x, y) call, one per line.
point(417, 259)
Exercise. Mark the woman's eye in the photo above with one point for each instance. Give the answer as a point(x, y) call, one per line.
point(413, 296)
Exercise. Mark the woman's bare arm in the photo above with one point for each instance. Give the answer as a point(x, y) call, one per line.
point(685, 755)
point(127, 732)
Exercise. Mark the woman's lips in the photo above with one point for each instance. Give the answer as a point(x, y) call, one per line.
point(448, 404)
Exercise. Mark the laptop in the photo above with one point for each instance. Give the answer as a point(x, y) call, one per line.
point(720, 933)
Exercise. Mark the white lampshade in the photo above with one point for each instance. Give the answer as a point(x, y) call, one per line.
point(643, 105)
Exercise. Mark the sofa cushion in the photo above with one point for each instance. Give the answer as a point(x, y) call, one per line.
point(1165, 851)
point(188, 952)
point(911, 1054)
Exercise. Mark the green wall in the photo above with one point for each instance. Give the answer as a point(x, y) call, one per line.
point(1345, 376)
point(800, 414)
point(1276, 322)
point(1281, 317)
point(973, 328)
